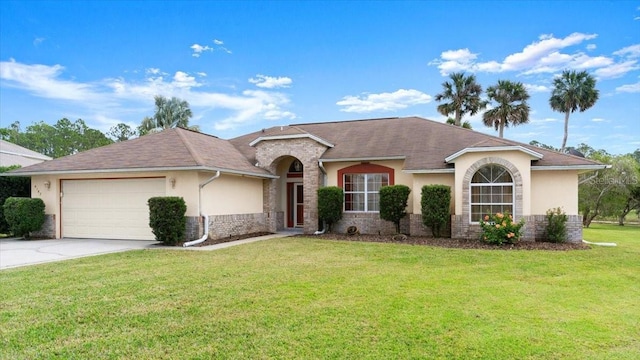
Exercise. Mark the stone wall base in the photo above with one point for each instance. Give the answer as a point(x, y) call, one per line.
point(194, 228)
point(221, 226)
point(533, 230)
point(48, 230)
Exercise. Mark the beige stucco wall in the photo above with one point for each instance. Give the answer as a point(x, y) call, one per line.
point(231, 194)
point(228, 194)
point(520, 160)
point(552, 189)
point(420, 180)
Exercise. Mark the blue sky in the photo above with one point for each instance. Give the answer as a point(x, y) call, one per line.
point(244, 66)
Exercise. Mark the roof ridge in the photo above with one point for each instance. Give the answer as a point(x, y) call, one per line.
point(348, 121)
point(189, 147)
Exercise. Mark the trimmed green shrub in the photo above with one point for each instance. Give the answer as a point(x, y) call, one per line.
point(167, 219)
point(330, 201)
point(435, 203)
point(24, 215)
point(500, 229)
point(556, 230)
point(393, 203)
point(11, 187)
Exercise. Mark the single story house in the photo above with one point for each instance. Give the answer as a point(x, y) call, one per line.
point(12, 154)
point(267, 180)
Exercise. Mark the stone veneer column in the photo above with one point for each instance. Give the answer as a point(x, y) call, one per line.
point(270, 152)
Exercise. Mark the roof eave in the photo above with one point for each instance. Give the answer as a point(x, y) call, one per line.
point(571, 167)
point(289, 137)
point(534, 154)
point(369, 158)
point(131, 170)
point(430, 171)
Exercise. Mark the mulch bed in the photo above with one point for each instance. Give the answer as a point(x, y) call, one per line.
point(454, 243)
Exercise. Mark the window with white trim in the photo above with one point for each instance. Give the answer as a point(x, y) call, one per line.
point(361, 191)
point(492, 191)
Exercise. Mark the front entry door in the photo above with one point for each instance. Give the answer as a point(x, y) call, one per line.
point(298, 200)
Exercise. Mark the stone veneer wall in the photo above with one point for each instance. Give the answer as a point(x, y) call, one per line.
point(194, 228)
point(221, 226)
point(369, 223)
point(418, 229)
point(48, 229)
point(534, 228)
point(270, 152)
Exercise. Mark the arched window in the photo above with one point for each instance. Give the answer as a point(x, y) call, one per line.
point(492, 192)
point(296, 166)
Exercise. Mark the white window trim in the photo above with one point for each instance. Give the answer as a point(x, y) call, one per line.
point(365, 192)
point(472, 185)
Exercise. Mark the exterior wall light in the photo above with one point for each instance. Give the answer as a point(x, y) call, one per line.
point(47, 184)
point(173, 182)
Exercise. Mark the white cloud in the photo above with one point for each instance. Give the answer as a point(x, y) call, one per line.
point(269, 82)
point(44, 81)
point(399, 99)
point(199, 49)
point(632, 51)
point(617, 70)
point(598, 120)
point(105, 100)
point(184, 80)
point(546, 55)
point(37, 41)
point(536, 52)
point(629, 88)
point(454, 60)
point(533, 88)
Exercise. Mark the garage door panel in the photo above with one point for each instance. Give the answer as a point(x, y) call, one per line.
point(109, 209)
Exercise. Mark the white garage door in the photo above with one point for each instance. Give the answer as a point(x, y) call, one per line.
point(108, 209)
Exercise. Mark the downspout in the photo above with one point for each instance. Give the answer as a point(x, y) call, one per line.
point(324, 183)
point(205, 236)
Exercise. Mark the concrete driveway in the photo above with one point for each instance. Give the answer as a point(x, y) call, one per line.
point(17, 252)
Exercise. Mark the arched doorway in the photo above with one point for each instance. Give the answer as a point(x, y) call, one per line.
point(294, 212)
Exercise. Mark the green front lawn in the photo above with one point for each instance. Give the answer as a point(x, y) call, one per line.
point(317, 299)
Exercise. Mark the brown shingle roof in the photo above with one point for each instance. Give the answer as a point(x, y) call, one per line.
point(423, 143)
point(170, 149)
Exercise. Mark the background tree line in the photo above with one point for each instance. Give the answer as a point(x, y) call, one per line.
point(68, 137)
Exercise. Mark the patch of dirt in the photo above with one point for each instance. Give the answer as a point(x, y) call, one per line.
point(454, 243)
point(228, 239)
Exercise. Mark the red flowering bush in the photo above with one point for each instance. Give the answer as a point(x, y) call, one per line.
point(500, 229)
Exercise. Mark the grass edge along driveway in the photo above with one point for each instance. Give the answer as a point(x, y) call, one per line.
point(318, 299)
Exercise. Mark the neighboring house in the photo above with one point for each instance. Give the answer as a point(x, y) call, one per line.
point(268, 180)
point(12, 154)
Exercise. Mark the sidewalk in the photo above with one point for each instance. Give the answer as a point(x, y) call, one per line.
point(277, 235)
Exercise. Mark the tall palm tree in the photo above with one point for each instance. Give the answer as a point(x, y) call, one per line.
point(169, 113)
point(572, 91)
point(512, 108)
point(464, 95)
